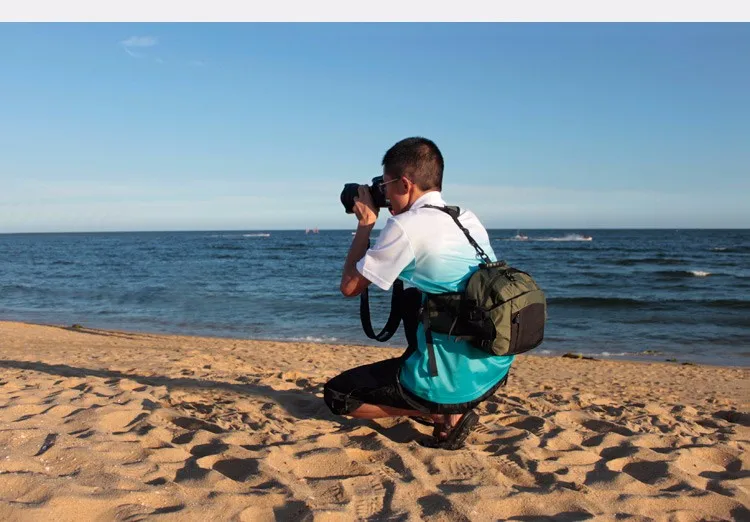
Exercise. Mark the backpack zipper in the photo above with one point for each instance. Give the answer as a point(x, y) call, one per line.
point(509, 300)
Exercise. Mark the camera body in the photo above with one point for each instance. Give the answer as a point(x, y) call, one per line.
point(351, 191)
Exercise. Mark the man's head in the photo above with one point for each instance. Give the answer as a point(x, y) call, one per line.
point(417, 164)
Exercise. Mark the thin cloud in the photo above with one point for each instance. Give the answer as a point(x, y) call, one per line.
point(138, 42)
point(197, 63)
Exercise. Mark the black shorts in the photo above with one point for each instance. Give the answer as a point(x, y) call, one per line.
point(375, 383)
point(378, 384)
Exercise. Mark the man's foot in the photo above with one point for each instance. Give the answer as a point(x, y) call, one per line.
point(449, 437)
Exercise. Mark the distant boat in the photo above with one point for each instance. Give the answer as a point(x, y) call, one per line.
point(312, 230)
point(520, 237)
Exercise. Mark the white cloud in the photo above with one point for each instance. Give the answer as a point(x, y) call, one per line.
point(140, 41)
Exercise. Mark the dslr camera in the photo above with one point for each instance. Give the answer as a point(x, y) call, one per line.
point(377, 192)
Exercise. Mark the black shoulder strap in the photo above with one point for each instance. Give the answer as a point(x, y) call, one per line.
point(454, 213)
point(394, 319)
point(431, 359)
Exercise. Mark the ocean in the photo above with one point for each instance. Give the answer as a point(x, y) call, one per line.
point(650, 295)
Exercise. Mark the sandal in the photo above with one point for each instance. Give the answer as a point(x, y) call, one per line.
point(421, 420)
point(456, 436)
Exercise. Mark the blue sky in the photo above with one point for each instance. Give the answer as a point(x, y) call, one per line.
point(258, 126)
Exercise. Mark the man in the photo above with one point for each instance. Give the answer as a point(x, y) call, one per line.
point(424, 247)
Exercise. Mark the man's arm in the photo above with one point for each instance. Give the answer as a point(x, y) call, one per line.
point(352, 282)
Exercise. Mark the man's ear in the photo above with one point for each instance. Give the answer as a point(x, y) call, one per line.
point(406, 183)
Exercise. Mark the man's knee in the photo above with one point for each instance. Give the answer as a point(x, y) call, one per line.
point(338, 402)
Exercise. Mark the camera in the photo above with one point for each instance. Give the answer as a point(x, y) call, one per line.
point(376, 191)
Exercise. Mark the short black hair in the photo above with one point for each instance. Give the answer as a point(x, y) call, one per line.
point(417, 158)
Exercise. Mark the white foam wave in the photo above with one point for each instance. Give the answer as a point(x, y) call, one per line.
point(256, 235)
point(700, 273)
point(311, 339)
point(603, 354)
point(567, 237)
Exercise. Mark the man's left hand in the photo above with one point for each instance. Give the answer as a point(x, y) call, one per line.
point(364, 208)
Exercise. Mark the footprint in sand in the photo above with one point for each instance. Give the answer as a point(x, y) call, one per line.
point(238, 470)
point(735, 417)
point(367, 495)
point(212, 448)
point(513, 471)
point(137, 512)
point(328, 495)
point(117, 421)
point(530, 423)
point(130, 512)
point(434, 505)
point(647, 472)
point(626, 449)
point(707, 461)
point(590, 423)
point(397, 467)
point(191, 423)
point(460, 467)
point(191, 471)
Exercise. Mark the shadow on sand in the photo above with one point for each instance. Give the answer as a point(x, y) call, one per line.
point(302, 404)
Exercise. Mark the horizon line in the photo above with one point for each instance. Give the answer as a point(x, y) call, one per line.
point(350, 230)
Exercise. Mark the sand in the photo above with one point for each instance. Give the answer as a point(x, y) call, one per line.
point(103, 425)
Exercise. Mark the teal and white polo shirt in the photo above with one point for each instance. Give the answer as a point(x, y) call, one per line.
point(426, 249)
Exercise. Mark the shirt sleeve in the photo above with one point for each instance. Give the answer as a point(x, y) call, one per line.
point(392, 253)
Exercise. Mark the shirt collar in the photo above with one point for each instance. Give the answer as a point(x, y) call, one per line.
point(433, 197)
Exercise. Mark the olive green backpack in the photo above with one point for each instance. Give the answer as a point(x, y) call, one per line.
point(501, 311)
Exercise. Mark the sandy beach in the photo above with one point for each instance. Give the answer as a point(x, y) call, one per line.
point(104, 425)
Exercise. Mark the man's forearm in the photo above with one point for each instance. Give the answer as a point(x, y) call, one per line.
point(358, 249)
point(352, 283)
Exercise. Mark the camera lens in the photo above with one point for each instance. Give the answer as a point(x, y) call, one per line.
point(347, 196)
point(351, 190)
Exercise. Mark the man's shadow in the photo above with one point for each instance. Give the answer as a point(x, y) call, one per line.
point(302, 404)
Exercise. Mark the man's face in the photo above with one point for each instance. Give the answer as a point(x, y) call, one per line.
point(396, 192)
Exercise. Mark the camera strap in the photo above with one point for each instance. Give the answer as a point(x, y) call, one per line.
point(394, 319)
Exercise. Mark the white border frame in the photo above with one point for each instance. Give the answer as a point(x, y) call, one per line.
point(376, 11)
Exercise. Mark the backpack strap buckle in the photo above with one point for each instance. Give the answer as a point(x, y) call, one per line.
point(431, 359)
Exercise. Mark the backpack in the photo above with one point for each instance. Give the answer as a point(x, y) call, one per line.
point(502, 310)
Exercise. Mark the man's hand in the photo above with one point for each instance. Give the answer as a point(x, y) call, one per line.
point(364, 208)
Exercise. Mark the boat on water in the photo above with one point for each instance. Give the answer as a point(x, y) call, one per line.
point(520, 237)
